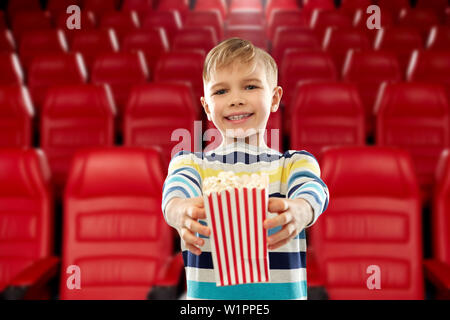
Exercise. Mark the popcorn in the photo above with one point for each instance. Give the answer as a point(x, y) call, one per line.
point(236, 207)
point(227, 180)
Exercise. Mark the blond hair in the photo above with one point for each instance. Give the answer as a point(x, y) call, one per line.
point(236, 49)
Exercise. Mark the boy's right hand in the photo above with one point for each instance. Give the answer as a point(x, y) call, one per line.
point(183, 215)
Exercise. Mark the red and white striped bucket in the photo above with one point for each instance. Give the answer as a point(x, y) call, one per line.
point(238, 238)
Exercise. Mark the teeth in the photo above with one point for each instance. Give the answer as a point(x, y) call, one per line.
point(238, 117)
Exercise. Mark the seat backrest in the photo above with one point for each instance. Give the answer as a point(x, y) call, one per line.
point(241, 17)
point(7, 42)
point(15, 6)
point(60, 6)
point(16, 112)
point(255, 34)
point(439, 38)
point(75, 117)
point(30, 20)
point(195, 38)
point(351, 6)
point(182, 66)
point(121, 71)
point(305, 66)
point(400, 40)
point(138, 5)
point(368, 69)
point(26, 213)
point(33, 43)
point(12, 73)
point(323, 19)
point(293, 38)
point(415, 117)
point(47, 70)
point(394, 5)
point(89, 22)
point(152, 42)
point(121, 21)
point(420, 19)
point(113, 226)
point(99, 7)
point(169, 20)
point(430, 66)
point(210, 18)
point(440, 223)
point(285, 18)
point(338, 41)
point(279, 4)
point(209, 5)
point(152, 116)
point(91, 43)
point(326, 114)
point(372, 228)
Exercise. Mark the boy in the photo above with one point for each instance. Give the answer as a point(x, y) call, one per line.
point(240, 86)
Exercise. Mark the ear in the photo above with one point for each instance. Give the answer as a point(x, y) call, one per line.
point(276, 98)
point(206, 108)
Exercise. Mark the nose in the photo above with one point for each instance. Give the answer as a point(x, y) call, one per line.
point(237, 101)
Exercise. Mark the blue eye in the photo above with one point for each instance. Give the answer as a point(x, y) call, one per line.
point(250, 87)
point(219, 92)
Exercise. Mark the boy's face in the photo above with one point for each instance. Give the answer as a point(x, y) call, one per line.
point(239, 99)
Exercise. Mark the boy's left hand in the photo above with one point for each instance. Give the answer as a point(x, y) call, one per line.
point(293, 215)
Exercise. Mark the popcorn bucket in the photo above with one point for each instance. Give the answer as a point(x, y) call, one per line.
point(238, 238)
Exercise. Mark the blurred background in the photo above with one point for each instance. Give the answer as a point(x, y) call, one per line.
point(86, 118)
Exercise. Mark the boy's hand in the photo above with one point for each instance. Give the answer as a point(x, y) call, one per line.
point(182, 214)
point(293, 216)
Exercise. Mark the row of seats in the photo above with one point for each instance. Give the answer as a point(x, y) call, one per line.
point(414, 116)
point(113, 224)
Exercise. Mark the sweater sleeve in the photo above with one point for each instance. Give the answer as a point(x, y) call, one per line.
point(183, 179)
point(304, 182)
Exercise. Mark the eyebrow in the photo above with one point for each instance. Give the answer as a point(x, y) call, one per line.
point(220, 84)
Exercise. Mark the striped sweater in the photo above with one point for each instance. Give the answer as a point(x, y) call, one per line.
point(293, 175)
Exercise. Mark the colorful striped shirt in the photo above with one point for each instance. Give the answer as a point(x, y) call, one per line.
point(292, 174)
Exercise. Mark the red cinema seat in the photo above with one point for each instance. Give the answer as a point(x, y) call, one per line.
point(420, 19)
point(318, 4)
point(368, 244)
point(91, 43)
point(180, 6)
point(338, 41)
point(60, 6)
point(361, 18)
point(436, 5)
point(152, 42)
point(304, 66)
point(34, 43)
point(182, 66)
point(26, 217)
point(209, 18)
point(208, 5)
point(88, 19)
point(153, 114)
point(279, 4)
point(439, 38)
point(138, 5)
point(121, 22)
point(15, 6)
point(16, 113)
point(437, 269)
point(401, 41)
point(415, 117)
point(74, 117)
point(195, 38)
point(293, 38)
point(54, 69)
point(7, 43)
point(368, 69)
point(255, 34)
point(284, 18)
point(326, 114)
point(394, 5)
point(254, 5)
point(323, 19)
point(245, 17)
point(351, 6)
point(30, 21)
point(113, 226)
point(431, 66)
point(99, 7)
point(12, 72)
point(169, 20)
point(121, 71)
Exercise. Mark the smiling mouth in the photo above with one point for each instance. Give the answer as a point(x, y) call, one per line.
point(239, 117)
